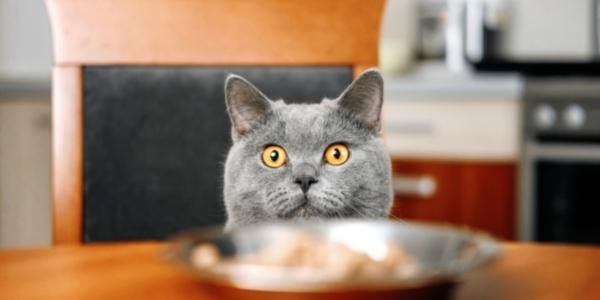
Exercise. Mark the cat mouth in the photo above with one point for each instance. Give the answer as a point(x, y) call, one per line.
point(304, 211)
point(306, 207)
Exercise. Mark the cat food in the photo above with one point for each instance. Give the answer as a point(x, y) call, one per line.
point(332, 260)
point(205, 255)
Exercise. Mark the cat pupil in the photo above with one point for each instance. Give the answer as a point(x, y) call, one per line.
point(336, 153)
point(274, 155)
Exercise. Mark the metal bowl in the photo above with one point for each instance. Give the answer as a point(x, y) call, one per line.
point(443, 254)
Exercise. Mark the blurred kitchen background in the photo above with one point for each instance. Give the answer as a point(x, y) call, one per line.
point(25, 71)
point(492, 116)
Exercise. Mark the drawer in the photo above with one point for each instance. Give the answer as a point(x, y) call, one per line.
point(477, 195)
point(458, 129)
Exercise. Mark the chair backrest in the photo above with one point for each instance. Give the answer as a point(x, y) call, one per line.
point(140, 131)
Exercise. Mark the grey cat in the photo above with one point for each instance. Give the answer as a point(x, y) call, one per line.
point(291, 161)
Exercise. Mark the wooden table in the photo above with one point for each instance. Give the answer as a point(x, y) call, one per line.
point(136, 271)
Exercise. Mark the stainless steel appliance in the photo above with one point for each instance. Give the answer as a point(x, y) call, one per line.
point(531, 36)
point(560, 167)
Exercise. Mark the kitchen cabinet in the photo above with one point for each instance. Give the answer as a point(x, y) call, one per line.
point(479, 195)
point(24, 171)
point(454, 141)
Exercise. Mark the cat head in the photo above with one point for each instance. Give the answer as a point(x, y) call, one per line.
point(306, 160)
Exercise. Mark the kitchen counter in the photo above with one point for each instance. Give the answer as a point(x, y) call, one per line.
point(136, 271)
point(434, 80)
point(30, 89)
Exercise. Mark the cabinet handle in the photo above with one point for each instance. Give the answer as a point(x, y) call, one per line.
point(415, 186)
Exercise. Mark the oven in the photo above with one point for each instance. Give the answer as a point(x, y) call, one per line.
point(560, 161)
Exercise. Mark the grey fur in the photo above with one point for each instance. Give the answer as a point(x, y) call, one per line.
point(359, 188)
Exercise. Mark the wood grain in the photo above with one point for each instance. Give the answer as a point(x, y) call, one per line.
point(136, 271)
point(359, 68)
point(475, 194)
point(67, 155)
point(215, 32)
point(537, 271)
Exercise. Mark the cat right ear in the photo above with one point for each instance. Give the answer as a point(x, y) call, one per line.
point(247, 106)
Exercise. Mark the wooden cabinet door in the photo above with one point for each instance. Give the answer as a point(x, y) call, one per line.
point(477, 195)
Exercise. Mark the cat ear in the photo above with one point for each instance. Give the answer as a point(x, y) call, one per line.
point(247, 106)
point(363, 99)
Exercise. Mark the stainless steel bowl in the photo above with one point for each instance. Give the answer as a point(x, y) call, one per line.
point(443, 254)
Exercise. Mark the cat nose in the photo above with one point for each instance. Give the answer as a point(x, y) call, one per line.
point(305, 182)
point(304, 175)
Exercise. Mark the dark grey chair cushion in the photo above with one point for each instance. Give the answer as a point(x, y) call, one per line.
point(156, 138)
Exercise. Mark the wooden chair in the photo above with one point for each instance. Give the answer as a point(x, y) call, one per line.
point(139, 127)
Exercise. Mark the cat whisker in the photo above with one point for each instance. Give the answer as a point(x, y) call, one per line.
point(355, 209)
point(375, 192)
point(390, 214)
point(359, 211)
point(277, 201)
point(393, 217)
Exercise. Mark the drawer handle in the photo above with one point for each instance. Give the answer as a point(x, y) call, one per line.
point(415, 186)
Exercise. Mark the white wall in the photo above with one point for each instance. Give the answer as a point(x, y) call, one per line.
point(25, 40)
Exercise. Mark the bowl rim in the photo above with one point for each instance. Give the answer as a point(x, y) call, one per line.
point(180, 244)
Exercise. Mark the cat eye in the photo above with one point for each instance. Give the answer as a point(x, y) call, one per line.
point(336, 154)
point(274, 156)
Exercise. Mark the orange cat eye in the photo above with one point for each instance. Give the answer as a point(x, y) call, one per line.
point(336, 154)
point(274, 156)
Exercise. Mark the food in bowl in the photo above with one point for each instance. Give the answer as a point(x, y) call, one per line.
point(277, 261)
point(331, 260)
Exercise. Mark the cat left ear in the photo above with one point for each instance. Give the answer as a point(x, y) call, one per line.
point(247, 106)
point(363, 99)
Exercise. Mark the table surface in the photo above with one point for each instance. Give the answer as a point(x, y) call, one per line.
point(136, 271)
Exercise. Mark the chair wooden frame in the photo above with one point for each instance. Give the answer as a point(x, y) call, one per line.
point(186, 32)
